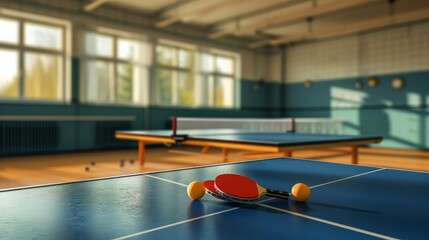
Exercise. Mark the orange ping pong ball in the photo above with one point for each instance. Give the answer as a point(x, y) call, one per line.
point(300, 192)
point(195, 190)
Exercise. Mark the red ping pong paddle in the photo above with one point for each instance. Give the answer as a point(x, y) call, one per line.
point(243, 189)
point(210, 189)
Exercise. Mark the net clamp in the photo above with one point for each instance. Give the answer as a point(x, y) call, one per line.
point(179, 138)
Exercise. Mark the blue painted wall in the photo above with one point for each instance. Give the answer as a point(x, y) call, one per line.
point(400, 116)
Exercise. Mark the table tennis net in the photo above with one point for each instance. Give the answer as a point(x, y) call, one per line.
point(300, 125)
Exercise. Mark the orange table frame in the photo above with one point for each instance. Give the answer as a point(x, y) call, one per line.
point(286, 150)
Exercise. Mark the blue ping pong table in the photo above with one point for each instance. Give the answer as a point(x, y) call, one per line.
point(347, 202)
point(274, 142)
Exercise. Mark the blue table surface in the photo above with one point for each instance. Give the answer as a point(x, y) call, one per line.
point(347, 202)
point(249, 136)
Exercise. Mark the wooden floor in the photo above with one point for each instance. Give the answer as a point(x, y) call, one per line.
point(54, 168)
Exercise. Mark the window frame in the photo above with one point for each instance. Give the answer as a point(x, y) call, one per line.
point(116, 35)
point(198, 74)
point(217, 75)
point(65, 27)
point(176, 71)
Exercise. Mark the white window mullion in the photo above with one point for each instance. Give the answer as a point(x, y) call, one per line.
point(175, 87)
point(63, 88)
point(175, 83)
point(114, 83)
point(21, 60)
point(213, 83)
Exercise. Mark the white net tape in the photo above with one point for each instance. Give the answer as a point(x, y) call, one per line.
point(302, 125)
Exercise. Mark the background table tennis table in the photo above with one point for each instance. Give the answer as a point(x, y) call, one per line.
point(347, 202)
point(275, 142)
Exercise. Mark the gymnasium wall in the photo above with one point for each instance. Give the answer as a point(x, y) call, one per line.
point(334, 66)
point(21, 136)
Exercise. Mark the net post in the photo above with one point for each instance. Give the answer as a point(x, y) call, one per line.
point(292, 125)
point(174, 125)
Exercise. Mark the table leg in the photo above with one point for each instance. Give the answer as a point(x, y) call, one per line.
point(224, 152)
point(205, 149)
point(287, 154)
point(141, 152)
point(354, 155)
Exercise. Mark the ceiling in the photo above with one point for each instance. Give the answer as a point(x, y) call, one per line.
point(275, 22)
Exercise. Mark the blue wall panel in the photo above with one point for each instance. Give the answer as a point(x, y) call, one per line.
point(323, 93)
point(400, 116)
point(259, 95)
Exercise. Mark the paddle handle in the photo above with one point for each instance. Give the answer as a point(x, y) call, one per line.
point(277, 194)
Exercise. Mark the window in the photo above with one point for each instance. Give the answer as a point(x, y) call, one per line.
point(175, 77)
point(115, 69)
point(186, 77)
point(9, 82)
point(217, 77)
point(34, 65)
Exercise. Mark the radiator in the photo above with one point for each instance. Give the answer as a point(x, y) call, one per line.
point(28, 136)
point(42, 134)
